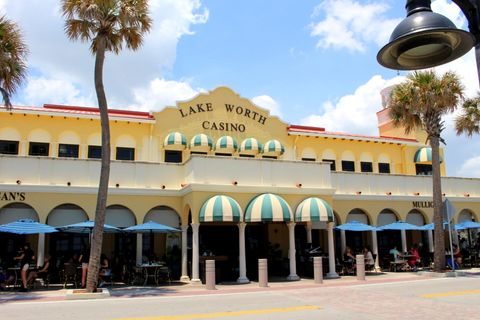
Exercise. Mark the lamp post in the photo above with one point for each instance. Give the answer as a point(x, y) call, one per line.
point(427, 39)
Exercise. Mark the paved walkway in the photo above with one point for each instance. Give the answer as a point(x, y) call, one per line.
point(181, 289)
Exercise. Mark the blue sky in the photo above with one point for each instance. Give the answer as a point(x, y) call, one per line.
point(310, 62)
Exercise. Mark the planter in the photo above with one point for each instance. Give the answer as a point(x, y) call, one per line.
point(82, 294)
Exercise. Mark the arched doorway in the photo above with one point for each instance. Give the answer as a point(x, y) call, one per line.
point(267, 234)
point(388, 239)
point(466, 236)
point(415, 237)
point(119, 247)
point(354, 239)
point(221, 217)
point(66, 245)
point(165, 247)
point(10, 243)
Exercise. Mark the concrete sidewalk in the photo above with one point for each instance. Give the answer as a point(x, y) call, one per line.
point(182, 289)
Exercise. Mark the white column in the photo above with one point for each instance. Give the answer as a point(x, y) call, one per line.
point(41, 249)
point(308, 227)
point(243, 262)
point(184, 277)
point(430, 240)
point(139, 253)
point(331, 253)
point(195, 255)
point(404, 240)
point(375, 250)
point(343, 240)
point(291, 252)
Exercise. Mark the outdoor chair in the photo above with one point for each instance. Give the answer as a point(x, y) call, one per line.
point(163, 273)
point(70, 275)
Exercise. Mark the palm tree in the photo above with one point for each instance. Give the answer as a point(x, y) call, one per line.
point(13, 54)
point(419, 104)
point(468, 122)
point(108, 25)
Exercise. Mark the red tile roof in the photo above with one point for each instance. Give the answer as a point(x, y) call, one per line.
point(75, 110)
point(321, 131)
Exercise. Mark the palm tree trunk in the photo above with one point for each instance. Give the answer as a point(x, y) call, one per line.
point(96, 248)
point(6, 99)
point(439, 251)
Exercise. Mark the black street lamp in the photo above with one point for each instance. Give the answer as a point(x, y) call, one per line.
point(427, 39)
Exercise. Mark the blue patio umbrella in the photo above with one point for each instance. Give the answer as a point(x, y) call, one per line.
point(26, 226)
point(87, 227)
point(430, 226)
point(399, 225)
point(355, 226)
point(151, 227)
point(467, 225)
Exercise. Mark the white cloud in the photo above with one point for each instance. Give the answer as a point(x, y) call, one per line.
point(351, 25)
point(268, 103)
point(354, 113)
point(53, 56)
point(449, 10)
point(471, 167)
point(161, 93)
point(41, 90)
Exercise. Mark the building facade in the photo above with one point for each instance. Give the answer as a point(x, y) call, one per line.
point(239, 183)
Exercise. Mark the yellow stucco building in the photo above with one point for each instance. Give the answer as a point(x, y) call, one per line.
point(279, 186)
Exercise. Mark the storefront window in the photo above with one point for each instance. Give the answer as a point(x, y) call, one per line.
point(423, 169)
point(384, 167)
point(173, 156)
point(68, 150)
point(38, 149)
point(8, 147)
point(348, 166)
point(94, 152)
point(366, 167)
point(125, 154)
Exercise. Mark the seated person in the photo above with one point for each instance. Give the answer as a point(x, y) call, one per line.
point(41, 272)
point(414, 260)
point(369, 261)
point(457, 255)
point(105, 270)
point(5, 279)
point(397, 256)
point(349, 260)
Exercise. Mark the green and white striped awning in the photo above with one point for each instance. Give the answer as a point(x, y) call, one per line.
point(201, 142)
point(220, 208)
point(314, 209)
point(226, 144)
point(175, 141)
point(273, 147)
point(424, 155)
point(268, 207)
point(250, 146)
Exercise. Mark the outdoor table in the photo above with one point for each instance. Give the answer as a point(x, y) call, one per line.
point(17, 274)
point(151, 271)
